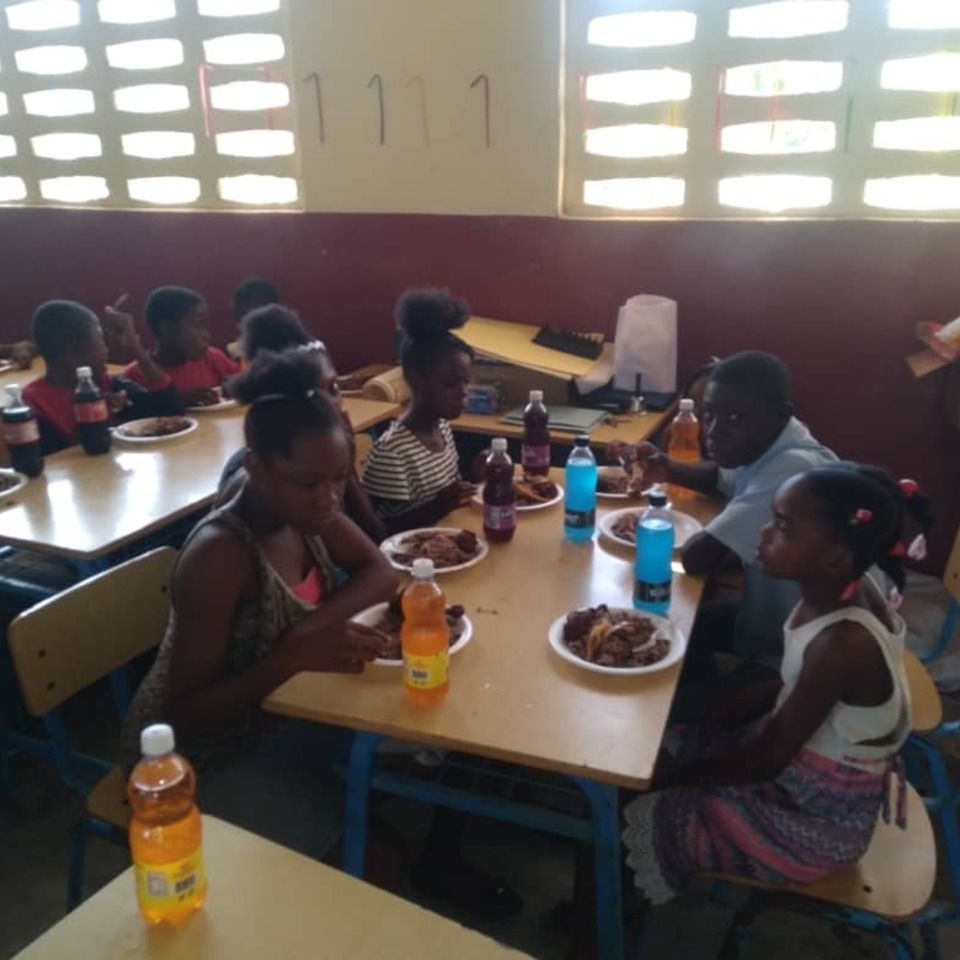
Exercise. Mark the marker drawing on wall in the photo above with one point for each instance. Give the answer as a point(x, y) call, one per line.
point(314, 78)
point(848, 116)
point(482, 78)
point(418, 81)
point(378, 80)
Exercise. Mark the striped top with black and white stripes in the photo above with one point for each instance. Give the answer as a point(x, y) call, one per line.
point(401, 474)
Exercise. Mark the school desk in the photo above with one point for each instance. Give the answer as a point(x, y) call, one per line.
point(628, 427)
point(85, 507)
point(512, 698)
point(263, 901)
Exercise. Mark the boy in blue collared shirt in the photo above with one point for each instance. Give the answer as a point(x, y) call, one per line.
point(754, 443)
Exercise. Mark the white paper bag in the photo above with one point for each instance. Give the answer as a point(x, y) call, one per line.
point(646, 343)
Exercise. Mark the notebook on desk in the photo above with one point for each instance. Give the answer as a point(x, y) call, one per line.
point(565, 419)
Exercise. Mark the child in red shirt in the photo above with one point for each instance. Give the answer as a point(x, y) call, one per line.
point(68, 335)
point(178, 319)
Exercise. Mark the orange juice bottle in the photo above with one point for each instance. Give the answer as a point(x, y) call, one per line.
point(165, 831)
point(684, 445)
point(425, 637)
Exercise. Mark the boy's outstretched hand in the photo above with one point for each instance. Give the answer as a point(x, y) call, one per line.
point(121, 328)
point(649, 461)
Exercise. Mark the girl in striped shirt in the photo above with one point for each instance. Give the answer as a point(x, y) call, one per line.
point(412, 474)
point(413, 478)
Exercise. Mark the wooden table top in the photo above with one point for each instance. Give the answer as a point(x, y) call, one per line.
point(10, 375)
point(511, 696)
point(365, 414)
point(86, 507)
point(263, 901)
point(629, 427)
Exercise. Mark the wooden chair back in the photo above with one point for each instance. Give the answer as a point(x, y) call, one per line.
point(925, 705)
point(64, 644)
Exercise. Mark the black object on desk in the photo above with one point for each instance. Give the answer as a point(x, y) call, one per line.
point(586, 345)
point(610, 398)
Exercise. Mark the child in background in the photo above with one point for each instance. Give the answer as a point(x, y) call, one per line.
point(178, 319)
point(275, 329)
point(254, 602)
point(68, 335)
point(795, 796)
point(249, 295)
point(20, 354)
point(412, 474)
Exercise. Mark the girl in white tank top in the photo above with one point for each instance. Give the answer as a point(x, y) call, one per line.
point(796, 795)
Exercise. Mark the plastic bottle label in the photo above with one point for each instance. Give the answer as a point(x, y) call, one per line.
point(536, 456)
point(579, 519)
point(162, 885)
point(426, 672)
point(503, 517)
point(90, 411)
point(651, 592)
point(17, 433)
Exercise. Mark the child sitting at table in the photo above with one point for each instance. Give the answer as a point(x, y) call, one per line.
point(68, 335)
point(254, 603)
point(277, 329)
point(249, 295)
point(412, 473)
point(178, 319)
point(754, 443)
point(783, 781)
point(795, 796)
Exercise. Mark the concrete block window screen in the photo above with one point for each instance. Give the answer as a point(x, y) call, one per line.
point(715, 109)
point(147, 104)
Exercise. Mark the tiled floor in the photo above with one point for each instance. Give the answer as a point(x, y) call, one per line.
point(33, 844)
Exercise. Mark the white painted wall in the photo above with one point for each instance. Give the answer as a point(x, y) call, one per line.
point(448, 43)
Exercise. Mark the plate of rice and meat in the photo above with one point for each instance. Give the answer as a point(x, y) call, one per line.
point(533, 493)
point(616, 640)
point(214, 404)
point(155, 429)
point(387, 618)
point(621, 527)
point(614, 483)
point(450, 548)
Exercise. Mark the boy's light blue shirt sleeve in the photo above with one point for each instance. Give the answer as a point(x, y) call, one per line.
point(738, 526)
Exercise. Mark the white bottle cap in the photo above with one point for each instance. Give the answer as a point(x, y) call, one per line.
point(536, 396)
point(13, 390)
point(499, 445)
point(423, 568)
point(686, 405)
point(84, 372)
point(156, 740)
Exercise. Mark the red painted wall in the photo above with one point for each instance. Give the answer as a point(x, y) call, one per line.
point(837, 300)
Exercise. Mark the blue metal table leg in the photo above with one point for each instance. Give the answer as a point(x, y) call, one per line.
point(359, 771)
point(605, 814)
